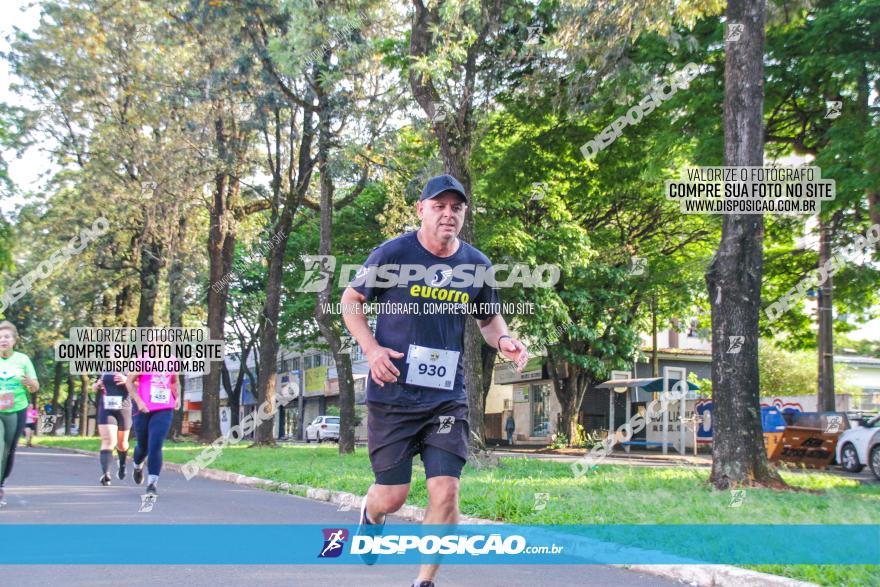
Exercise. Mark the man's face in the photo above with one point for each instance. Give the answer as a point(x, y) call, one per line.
point(442, 216)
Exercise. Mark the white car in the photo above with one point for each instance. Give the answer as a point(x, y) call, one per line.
point(860, 446)
point(323, 428)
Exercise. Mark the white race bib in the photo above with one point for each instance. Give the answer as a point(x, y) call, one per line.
point(7, 400)
point(160, 394)
point(431, 367)
point(112, 402)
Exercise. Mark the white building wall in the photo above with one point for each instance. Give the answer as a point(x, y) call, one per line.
point(496, 398)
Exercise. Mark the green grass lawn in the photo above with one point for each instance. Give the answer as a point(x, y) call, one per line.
point(613, 494)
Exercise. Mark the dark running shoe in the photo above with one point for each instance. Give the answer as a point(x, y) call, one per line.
point(151, 489)
point(368, 528)
point(105, 480)
point(138, 475)
point(121, 472)
point(424, 584)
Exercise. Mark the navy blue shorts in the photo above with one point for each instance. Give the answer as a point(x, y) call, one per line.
point(120, 418)
point(395, 434)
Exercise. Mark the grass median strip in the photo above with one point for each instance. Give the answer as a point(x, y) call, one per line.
point(529, 491)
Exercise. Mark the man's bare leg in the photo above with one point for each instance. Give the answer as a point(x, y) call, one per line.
point(385, 499)
point(442, 509)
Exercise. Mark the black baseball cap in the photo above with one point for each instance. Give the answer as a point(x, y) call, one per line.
point(443, 183)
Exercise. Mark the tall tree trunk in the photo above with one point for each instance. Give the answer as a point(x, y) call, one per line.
point(454, 152)
point(56, 387)
point(655, 354)
point(37, 361)
point(68, 405)
point(473, 342)
point(84, 408)
point(489, 355)
point(569, 392)
point(455, 138)
point(264, 433)
point(826, 324)
point(874, 206)
point(122, 303)
point(734, 277)
point(151, 263)
point(329, 328)
point(269, 322)
point(473, 339)
point(266, 382)
point(873, 168)
point(221, 242)
point(176, 308)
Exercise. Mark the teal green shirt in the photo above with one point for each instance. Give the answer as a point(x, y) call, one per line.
point(11, 371)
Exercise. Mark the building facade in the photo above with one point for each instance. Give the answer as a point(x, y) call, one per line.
point(310, 370)
point(530, 398)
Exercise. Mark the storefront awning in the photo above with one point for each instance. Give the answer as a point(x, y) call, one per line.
point(196, 396)
point(651, 384)
point(506, 373)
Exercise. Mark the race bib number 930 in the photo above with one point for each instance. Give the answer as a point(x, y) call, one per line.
point(431, 367)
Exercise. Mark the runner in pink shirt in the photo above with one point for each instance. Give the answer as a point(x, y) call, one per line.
point(31, 424)
point(156, 397)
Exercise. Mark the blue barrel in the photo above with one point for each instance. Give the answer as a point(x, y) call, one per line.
point(772, 420)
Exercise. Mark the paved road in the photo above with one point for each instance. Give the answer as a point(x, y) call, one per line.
point(54, 487)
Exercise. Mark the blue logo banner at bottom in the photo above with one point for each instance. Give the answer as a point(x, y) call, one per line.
point(298, 544)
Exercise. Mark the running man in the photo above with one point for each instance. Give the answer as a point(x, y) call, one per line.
point(114, 422)
point(17, 378)
point(416, 398)
point(156, 398)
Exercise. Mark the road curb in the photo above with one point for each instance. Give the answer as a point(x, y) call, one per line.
point(718, 575)
point(620, 457)
point(698, 575)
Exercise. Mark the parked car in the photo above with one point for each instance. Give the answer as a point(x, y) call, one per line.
point(860, 446)
point(323, 428)
point(874, 457)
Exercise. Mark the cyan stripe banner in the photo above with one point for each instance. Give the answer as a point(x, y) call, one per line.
point(298, 544)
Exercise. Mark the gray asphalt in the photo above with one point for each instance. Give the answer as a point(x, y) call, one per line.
point(54, 487)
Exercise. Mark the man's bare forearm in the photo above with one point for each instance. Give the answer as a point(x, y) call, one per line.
point(492, 329)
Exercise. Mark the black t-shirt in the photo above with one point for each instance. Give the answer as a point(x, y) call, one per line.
point(453, 288)
point(113, 388)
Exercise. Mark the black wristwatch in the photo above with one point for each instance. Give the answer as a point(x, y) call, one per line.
point(498, 344)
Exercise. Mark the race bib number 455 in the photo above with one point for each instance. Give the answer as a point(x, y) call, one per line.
point(160, 394)
point(431, 367)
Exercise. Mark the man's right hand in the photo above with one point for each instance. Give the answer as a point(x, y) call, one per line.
point(382, 370)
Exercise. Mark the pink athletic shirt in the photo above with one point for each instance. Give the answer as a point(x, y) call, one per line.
point(157, 390)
